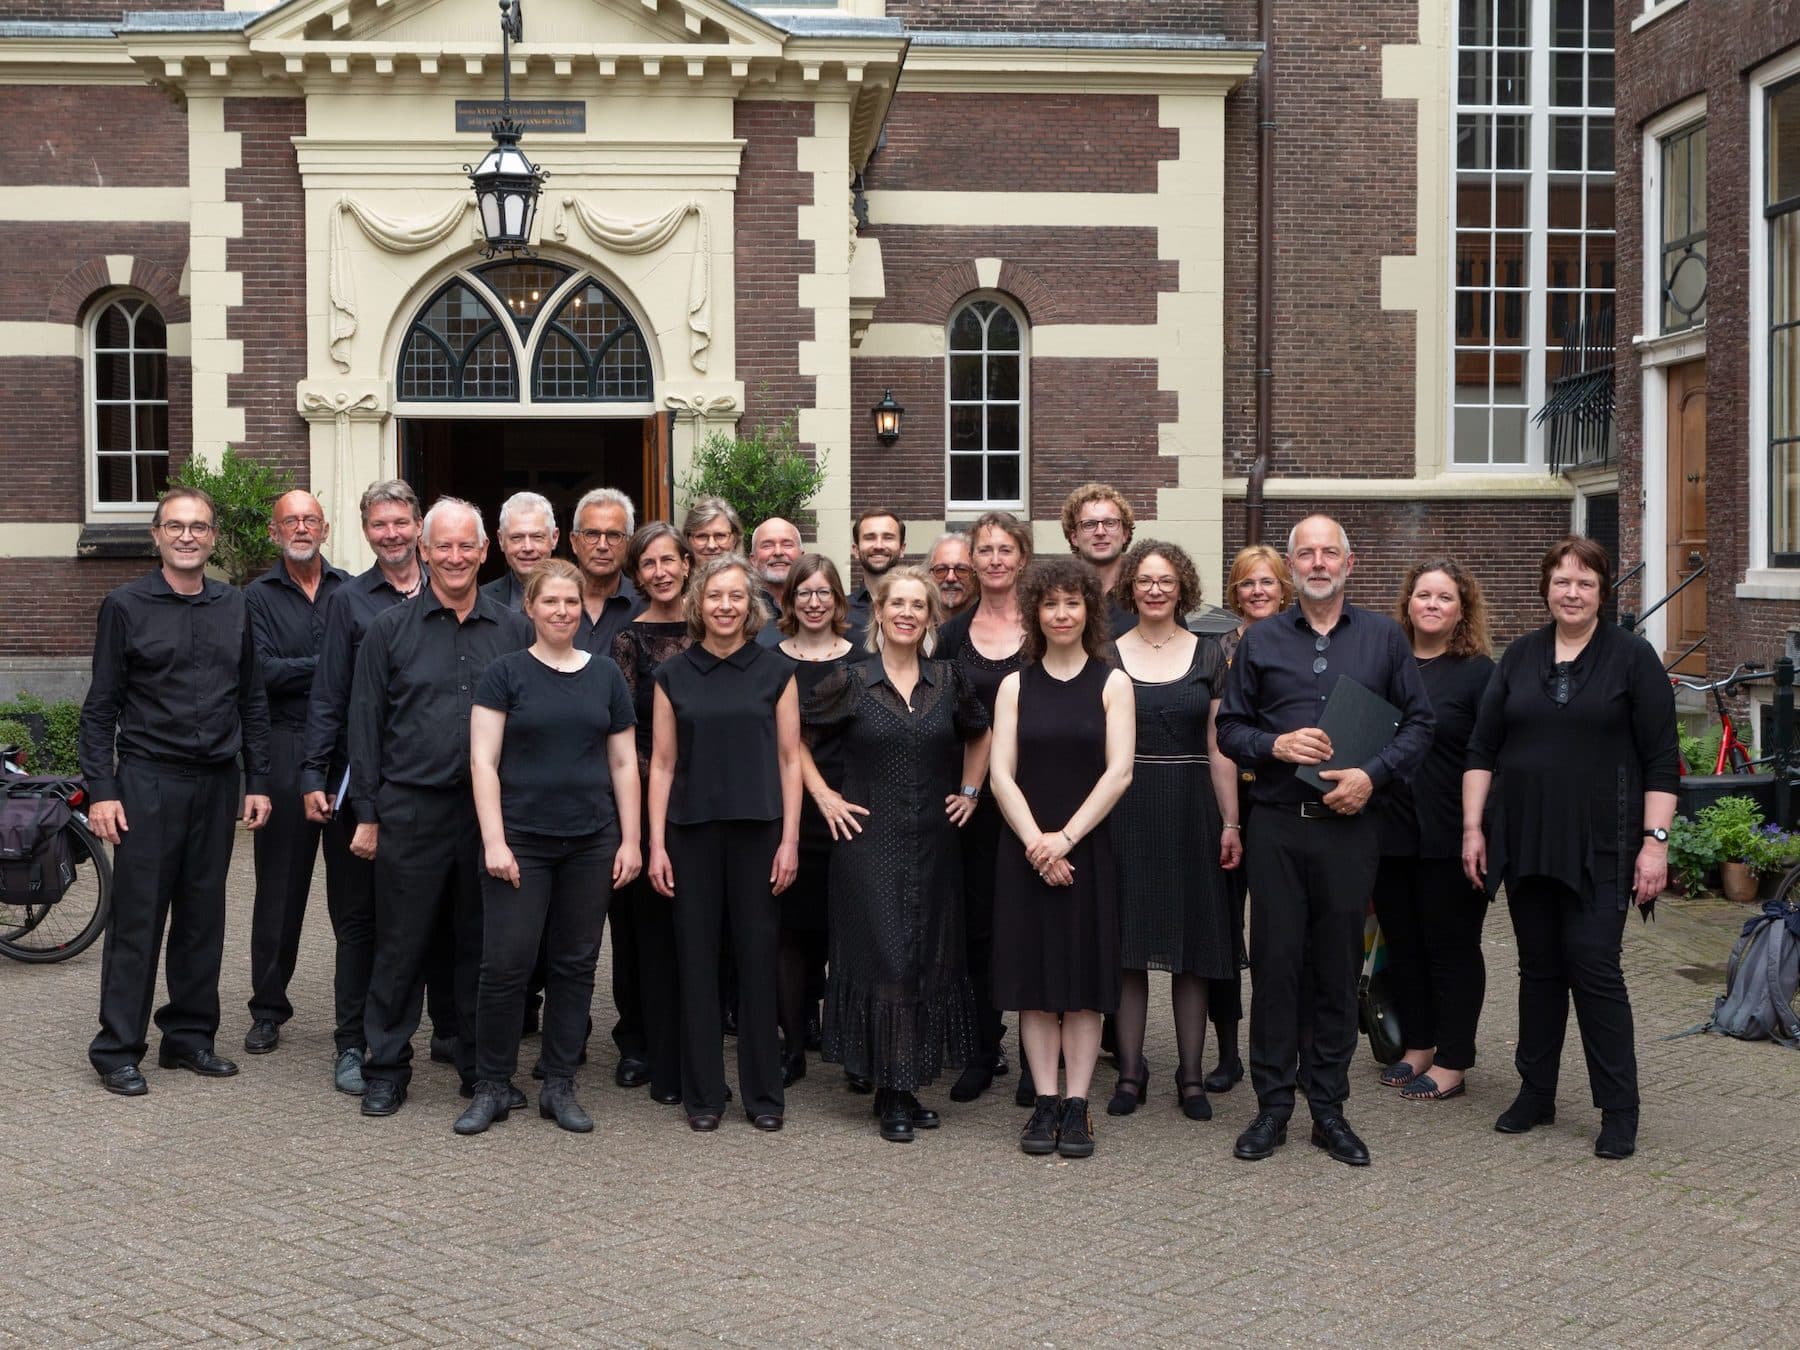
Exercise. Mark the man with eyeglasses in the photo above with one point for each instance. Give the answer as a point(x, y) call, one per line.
point(604, 522)
point(176, 698)
point(1312, 857)
point(1098, 523)
point(527, 535)
point(287, 620)
point(952, 568)
point(878, 541)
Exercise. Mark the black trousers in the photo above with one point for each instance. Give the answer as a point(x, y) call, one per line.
point(1569, 948)
point(629, 1032)
point(168, 872)
point(1431, 918)
point(980, 854)
point(559, 909)
point(1310, 882)
point(286, 849)
point(656, 978)
point(427, 887)
point(722, 870)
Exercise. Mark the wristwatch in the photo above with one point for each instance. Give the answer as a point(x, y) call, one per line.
point(1658, 833)
point(972, 793)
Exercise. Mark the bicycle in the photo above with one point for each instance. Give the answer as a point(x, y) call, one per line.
point(66, 927)
point(1734, 755)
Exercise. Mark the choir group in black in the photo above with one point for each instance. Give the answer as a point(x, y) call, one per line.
point(871, 823)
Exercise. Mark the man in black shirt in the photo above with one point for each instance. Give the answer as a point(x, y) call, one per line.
point(878, 541)
point(1312, 857)
point(526, 535)
point(287, 621)
point(390, 523)
point(604, 521)
point(176, 697)
point(1098, 523)
point(416, 675)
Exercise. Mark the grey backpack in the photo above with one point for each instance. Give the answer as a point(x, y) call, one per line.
point(1760, 980)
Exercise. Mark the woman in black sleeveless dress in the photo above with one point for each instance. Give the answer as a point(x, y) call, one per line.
point(1064, 732)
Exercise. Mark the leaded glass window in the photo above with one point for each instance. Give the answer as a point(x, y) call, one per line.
point(458, 350)
point(1684, 229)
point(592, 352)
point(523, 286)
point(985, 380)
point(129, 391)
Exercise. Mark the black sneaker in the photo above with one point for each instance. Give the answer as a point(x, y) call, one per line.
point(1039, 1135)
point(1075, 1139)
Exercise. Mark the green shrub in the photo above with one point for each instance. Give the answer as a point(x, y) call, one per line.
point(763, 474)
point(58, 750)
point(14, 732)
point(244, 492)
point(1732, 824)
point(1702, 752)
point(1693, 855)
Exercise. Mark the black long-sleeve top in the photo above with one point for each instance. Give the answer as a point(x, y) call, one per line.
point(416, 674)
point(175, 681)
point(508, 589)
point(1273, 689)
point(1571, 778)
point(288, 627)
point(353, 607)
point(1422, 817)
point(619, 609)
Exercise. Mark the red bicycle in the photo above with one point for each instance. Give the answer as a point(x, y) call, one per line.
point(1734, 755)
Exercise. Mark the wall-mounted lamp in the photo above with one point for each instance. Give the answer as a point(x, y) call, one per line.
point(887, 415)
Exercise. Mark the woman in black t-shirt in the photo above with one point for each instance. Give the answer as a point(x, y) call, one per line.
point(725, 832)
point(554, 772)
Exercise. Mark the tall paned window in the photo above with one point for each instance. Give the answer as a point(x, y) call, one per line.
point(1534, 211)
point(1684, 228)
point(128, 404)
point(1782, 193)
point(985, 379)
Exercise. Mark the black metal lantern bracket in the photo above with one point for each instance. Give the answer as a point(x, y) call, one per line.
point(507, 184)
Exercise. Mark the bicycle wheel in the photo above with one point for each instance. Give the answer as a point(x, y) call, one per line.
point(43, 933)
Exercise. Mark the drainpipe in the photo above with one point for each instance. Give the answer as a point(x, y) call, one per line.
point(1265, 274)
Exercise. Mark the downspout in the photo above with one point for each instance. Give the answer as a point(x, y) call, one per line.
point(1265, 275)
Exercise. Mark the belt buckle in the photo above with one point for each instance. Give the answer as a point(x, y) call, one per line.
point(1314, 811)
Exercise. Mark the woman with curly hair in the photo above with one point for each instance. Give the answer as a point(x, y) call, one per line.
point(1430, 915)
point(1177, 827)
point(1064, 731)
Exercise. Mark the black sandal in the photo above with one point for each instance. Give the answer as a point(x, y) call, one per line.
point(1123, 1103)
point(1398, 1074)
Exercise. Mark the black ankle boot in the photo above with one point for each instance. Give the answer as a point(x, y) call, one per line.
point(557, 1102)
point(488, 1104)
point(1618, 1134)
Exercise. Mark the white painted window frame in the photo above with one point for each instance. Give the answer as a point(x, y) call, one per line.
point(113, 513)
point(952, 505)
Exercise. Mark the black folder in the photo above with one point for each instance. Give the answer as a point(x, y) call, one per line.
point(1360, 724)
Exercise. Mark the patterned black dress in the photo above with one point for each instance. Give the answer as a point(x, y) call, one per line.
point(898, 1002)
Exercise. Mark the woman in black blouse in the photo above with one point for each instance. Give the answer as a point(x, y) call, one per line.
point(1576, 733)
point(910, 737)
point(645, 977)
point(555, 784)
point(725, 832)
point(1430, 914)
point(815, 613)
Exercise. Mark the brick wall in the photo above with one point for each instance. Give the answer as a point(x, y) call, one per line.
point(769, 260)
point(41, 439)
point(103, 136)
point(78, 587)
point(1022, 143)
point(271, 257)
point(1698, 49)
point(95, 11)
point(39, 260)
point(1500, 545)
point(1184, 17)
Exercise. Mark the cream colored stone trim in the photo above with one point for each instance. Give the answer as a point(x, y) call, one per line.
point(30, 539)
point(21, 337)
point(128, 204)
point(1090, 341)
point(1420, 282)
point(213, 290)
point(1061, 70)
point(1442, 487)
point(1769, 583)
point(902, 340)
point(84, 61)
point(118, 268)
point(1081, 209)
point(1670, 349)
point(826, 223)
point(987, 273)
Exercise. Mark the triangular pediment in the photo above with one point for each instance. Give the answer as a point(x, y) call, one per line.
point(458, 24)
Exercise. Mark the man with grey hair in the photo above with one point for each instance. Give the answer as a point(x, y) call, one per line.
point(774, 549)
point(416, 675)
point(527, 535)
point(390, 525)
point(604, 522)
point(952, 566)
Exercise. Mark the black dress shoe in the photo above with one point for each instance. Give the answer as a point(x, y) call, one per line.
point(793, 1070)
point(515, 1097)
point(488, 1103)
point(857, 1083)
point(1334, 1135)
point(202, 1061)
point(977, 1077)
point(1267, 1133)
point(264, 1035)
point(923, 1117)
point(1225, 1075)
point(632, 1072)
point(666, 1096)
point(1618, 1135)
point(125, 1080)
point(768, 1122)
point(703, 1122)
point(382, 1097)
point(896, 1119)
point(444, 1048)
point(1525, 1114)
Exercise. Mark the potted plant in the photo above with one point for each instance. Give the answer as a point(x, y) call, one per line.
point(1733, 827)
point(1773, 851)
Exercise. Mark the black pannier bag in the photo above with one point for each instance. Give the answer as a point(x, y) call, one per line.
point(35, 863)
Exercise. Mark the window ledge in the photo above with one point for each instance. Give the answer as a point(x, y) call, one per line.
point(114, 541)
point(1769, 583)
point(1654, 10)
point(1668, 349)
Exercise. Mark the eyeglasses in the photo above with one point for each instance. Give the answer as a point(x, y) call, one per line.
point(199, 529)
point(1143, 583)
point(1319, 662)
point(612, 537)
point(821, 597)
point(1106, 524)
point(942, 570)
point(295, 522)
point(707, 539)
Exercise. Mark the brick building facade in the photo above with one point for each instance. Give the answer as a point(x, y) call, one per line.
point(865, 186)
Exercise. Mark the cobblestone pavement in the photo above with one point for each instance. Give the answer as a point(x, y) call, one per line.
point(264, 1208)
